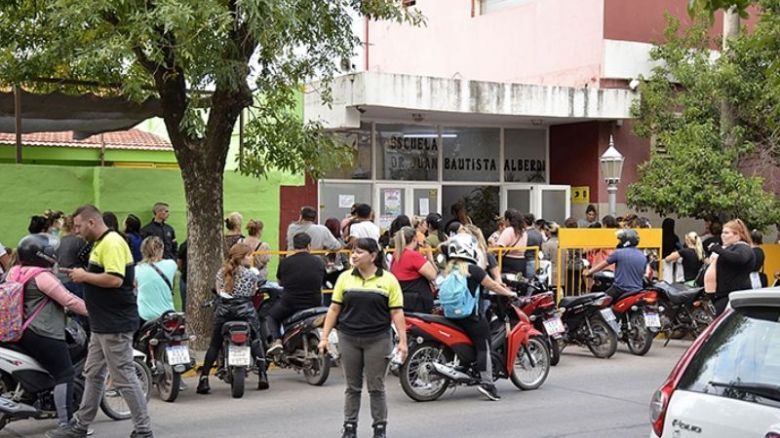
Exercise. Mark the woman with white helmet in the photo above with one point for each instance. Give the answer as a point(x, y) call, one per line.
point(462, 255)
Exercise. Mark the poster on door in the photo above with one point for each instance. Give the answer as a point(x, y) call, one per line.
point(392, 202)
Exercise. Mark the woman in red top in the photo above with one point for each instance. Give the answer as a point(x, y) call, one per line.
point(413, 271)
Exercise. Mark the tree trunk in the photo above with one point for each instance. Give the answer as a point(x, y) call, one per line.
point(727, 117)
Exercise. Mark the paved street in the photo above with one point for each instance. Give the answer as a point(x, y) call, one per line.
point(583, 397)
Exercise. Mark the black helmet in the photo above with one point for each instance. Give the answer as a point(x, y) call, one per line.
point(627, 238)
point(37, 250)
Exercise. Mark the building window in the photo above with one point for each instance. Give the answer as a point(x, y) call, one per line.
point(525, 155)
point(360, 168)
point(488, 6)
point(407, 152)
point(471, 154)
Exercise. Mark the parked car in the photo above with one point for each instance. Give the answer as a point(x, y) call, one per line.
point(727, 384)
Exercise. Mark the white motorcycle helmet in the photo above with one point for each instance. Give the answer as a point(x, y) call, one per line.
point(462, 246)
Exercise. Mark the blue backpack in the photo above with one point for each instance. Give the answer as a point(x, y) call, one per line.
point(455, 298)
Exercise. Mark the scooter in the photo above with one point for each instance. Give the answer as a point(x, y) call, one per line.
point(442, 355)
point(301, 334)
point(164, 340)
point(26, 388)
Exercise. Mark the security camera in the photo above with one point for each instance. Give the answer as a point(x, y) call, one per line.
point(634, 84)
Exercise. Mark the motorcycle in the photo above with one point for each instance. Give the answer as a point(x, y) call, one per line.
point(301, 334)
point(684, 310)
point(589, 322)
point(164, 341)
point(27, 389)
point(441, 354)
point(637, 314)
point(235, 357)
point(538, 303)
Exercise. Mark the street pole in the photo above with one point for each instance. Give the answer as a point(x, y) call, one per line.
point(612, 192)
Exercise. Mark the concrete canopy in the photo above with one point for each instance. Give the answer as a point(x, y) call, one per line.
point(440, 100)
point(85, 114)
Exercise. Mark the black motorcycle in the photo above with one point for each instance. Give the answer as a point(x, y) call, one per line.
point(164, 341)
point(685, 311)
point(301, 335)
point(234, 360)
point(590, 322)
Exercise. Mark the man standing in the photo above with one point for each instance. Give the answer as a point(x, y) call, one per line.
point(158, 227)
point(364, 227)
point(591, 216)
point(301, 275)
point(321, 237)
point(113, 316)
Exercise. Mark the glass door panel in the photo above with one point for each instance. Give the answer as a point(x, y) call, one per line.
point(336, 199)
point(425, 200)
point(392, 203)
point(555, 204)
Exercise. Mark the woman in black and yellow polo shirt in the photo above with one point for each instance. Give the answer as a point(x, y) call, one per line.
point(365, 300)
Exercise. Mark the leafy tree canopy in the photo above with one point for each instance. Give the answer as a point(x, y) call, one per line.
point(691, 172)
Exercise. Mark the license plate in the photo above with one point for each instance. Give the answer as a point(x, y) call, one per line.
point(177, 354)
point(554, 325)
point(652, 320)
point(608, 315)
point(239, 355)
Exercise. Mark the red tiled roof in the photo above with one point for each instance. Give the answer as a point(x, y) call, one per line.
point(133, 139)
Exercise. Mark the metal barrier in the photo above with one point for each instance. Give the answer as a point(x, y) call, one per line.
point(574, 244)
point(771, 261)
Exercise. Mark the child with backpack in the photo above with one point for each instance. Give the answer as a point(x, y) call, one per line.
point(460, 297)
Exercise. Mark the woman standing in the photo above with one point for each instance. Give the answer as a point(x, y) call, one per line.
point(513, 236)
point(692, 257)
point(733, 264)
point(364, 302)
point(233, 234)
point(154, 279)
point(133, 236)
point(414, 272)
point(255, 230)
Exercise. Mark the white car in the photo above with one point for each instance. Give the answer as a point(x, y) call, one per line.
point(728, 382)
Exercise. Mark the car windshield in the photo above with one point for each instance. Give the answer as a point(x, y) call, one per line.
point(741, 360)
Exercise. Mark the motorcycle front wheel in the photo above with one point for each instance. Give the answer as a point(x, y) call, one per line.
point(603, 344)
point(317, 367)
point(418, 379)
point(532, 365)
point(113, 403)
point(639, 338)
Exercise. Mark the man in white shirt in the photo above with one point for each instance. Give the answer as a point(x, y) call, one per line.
point(364, 227)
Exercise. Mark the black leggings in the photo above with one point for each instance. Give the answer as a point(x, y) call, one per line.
point(513, 265)
point(479, 332)
point(52, 354)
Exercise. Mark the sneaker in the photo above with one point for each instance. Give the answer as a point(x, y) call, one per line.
point(276, 347)
point(203, 385)
point(262, 383)
point(135, 434)
point(71, 430)
point(489, 391)
point(380, 430)
point(349, 431)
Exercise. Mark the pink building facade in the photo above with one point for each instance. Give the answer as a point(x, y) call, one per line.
point(512, 99)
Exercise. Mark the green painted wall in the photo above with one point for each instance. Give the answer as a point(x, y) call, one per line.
point(78, 156)
point(31, 189)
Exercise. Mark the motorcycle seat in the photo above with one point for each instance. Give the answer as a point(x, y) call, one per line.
point(303, 314)
point(578, 300)
point(678, 293)
point(229, 325)
point(438, 319)
point(14, 346)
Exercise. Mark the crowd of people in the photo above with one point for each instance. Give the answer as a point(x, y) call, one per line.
point(385, 275)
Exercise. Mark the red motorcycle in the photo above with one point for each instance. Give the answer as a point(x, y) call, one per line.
point(637, 314)
point(539, 304)
point(441, 354)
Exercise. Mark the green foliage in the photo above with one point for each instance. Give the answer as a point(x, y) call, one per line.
point(691, 172)
point(176, 50)
point(710, 6)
